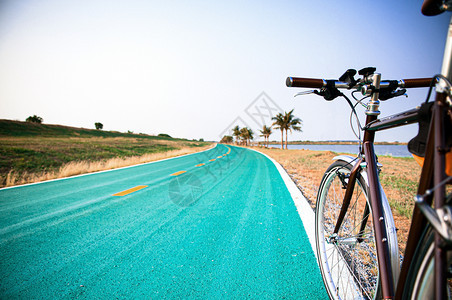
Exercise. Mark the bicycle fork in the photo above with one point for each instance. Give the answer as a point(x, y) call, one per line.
point(381, 237)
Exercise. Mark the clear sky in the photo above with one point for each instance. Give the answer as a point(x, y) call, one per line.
point(193, 69)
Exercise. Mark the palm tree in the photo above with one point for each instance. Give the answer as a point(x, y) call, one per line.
point(266, 131)
point(246, 134)
point(243, 135)
point(236, 133)
point(250, 134)
point(281, 124)
point(291, 123)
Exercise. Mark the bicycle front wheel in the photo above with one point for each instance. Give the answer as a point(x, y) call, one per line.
point(348, 258)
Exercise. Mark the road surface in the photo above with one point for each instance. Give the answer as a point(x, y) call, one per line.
point(216, 224)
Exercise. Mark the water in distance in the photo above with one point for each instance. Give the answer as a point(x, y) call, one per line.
point(390, 150)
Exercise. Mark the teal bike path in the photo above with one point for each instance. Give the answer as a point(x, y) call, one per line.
point(215, 224)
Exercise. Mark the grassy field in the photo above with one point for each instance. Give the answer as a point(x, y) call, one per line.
point(33, 152)
point(398, 177)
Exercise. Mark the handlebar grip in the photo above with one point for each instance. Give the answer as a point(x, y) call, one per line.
point(432, 7)
point(304, 82)
point(417, 82)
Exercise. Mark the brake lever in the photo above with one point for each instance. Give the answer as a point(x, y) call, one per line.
point(400, 92)
point(386, 95)
point(306, 93)
point(327, 93)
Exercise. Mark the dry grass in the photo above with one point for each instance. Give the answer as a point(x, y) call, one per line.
point(398, 177)
point(25, 159)
point(82, 167)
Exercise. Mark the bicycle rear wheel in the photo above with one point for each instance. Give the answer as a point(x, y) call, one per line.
point(348, 259)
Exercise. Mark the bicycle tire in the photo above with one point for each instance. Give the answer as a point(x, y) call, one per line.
point(420, 278)
point(349, 266)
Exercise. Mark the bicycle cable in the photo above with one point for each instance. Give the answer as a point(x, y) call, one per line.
point(435, 80)
point(360, 100)
point(357, 135)
point(430, 191)
point(360, 128)
point(353, 112)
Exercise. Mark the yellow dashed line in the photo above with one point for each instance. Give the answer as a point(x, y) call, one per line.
point(178, 173)
point(212, 159)
point(220, 156)
point(129, 191)
point(200, 165)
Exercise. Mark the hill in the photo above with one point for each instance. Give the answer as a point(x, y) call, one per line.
point(18, 129)
point(31, 152)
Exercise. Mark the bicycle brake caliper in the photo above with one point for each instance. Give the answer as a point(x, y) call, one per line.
point(342, 178)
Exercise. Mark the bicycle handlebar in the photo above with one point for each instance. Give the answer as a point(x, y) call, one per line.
point(417, 82)
point(305, 82)
point(320, 83)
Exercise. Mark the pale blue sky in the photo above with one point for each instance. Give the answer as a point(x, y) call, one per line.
point(190, 68)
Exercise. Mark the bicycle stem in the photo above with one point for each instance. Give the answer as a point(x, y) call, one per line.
point(374, 104)
point(373, 107)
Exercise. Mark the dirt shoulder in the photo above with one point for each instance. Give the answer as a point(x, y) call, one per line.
point(398, 177)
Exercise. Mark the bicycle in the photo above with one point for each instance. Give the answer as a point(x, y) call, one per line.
point(356, 241)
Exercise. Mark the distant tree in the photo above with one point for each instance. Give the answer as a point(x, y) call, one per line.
point(201, 140)
point(292, 123)
point(280, 124)
point(164, 135)
point(34, 119)
point(266, 132)
point(246, 135)
point(250, 134)
point(236, 133)
point(286, 122)
point(227, 139)
point(99, 126)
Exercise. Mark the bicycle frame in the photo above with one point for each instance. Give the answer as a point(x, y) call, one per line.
point(369, 161)
point(432, 174)
point(433, 177)
point(434, 159)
